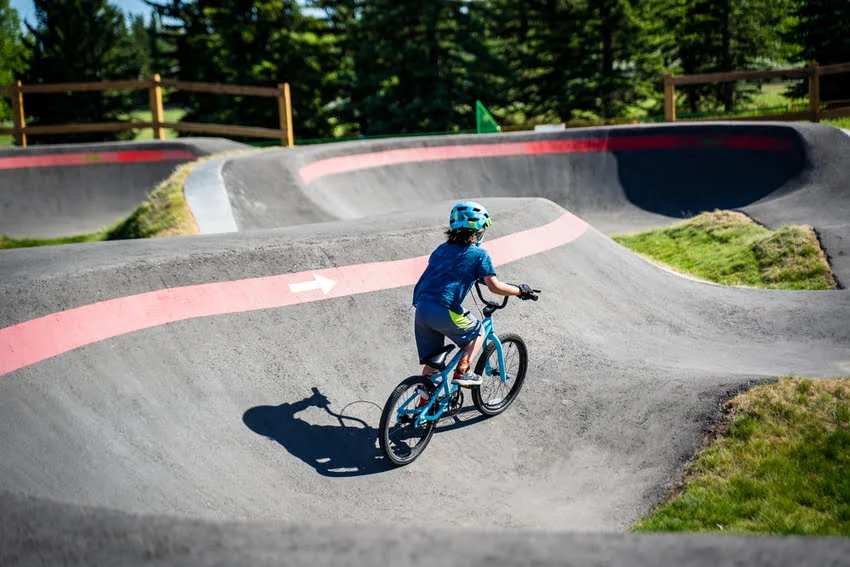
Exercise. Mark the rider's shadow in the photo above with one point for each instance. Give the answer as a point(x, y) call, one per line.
point(345, 449)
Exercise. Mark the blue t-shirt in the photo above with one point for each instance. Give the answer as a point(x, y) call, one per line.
point(452, 270)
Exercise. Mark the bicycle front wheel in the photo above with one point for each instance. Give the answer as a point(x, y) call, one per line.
point(494, 396)
point(400, 439)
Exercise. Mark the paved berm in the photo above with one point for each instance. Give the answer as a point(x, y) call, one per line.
point(56, 200)
point(207, 440)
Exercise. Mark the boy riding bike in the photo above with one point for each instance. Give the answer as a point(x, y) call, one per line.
point(453, 268)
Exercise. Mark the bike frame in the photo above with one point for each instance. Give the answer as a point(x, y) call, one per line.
point(444, 384)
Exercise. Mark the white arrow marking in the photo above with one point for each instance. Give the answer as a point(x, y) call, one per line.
point(318, 282)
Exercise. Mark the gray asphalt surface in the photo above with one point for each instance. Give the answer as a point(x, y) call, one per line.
point(134, 540)
point(206, 441)
point(616, 191)
point(55, 201)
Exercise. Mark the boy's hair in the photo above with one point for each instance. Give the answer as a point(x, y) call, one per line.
point(462, 236)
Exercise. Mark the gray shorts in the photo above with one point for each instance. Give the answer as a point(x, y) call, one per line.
point(435, 322)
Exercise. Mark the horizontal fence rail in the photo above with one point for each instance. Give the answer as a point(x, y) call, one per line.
point(285, 134)
point(813, 72)
point(154, 85)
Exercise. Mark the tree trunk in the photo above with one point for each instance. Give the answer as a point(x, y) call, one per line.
point(729, 87)
point(607, 59)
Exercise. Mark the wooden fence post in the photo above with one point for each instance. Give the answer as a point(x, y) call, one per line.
point(18, 115)
point(669, 98)
point(814, 91)
point(156, 107)
point(284, 108)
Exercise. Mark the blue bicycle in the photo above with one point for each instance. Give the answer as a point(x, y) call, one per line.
point(407, 424)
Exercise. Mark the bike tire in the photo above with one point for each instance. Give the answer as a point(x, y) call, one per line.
point(481, 395)
point(390, 431)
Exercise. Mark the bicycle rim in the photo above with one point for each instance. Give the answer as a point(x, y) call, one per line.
point(400, 439)
point(493, 396)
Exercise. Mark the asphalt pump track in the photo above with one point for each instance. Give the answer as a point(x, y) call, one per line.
point(214, 399)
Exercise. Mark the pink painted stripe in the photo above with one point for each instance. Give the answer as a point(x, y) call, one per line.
point(344, 164)
point(38, 339)
point(134, 156)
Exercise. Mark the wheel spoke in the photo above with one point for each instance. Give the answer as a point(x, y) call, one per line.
point(400, 438)
point(493, 396)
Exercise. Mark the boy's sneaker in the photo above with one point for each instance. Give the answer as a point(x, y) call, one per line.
point(423, 400)
point(467, 380)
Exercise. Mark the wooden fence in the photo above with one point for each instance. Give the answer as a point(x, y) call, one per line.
point(814, 72)
point(154, 85)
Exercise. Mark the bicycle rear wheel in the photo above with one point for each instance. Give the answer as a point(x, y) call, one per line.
point(401, 441)
point(493, 396)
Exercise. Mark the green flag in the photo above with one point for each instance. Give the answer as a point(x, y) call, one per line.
point(484, 122)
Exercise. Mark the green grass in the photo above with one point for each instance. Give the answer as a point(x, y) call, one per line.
point(729, 248)
point(169, 115)
point(772, 95)
point(6, 140)
point(8, 242)
point(839, 122)
point(780, 465)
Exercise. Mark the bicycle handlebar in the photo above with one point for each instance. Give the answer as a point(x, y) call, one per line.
point(492, 304)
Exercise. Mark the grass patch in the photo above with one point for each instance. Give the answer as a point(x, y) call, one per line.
point(839, 122)
point(8, 242)
point(778, 466)
point(164, 213)
point(169, 115)
point(727, 247)
point(6, 139)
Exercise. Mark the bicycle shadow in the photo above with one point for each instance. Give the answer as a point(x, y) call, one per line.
point(333, 450)
point(467, 416)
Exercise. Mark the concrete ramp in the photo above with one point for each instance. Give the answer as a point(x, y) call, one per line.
point(618, 179)
point(191, 400)
point(53, 191)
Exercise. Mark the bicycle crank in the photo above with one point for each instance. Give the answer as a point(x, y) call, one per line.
point(455, 404)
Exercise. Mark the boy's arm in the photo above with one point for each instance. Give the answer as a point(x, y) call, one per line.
point(499, 288)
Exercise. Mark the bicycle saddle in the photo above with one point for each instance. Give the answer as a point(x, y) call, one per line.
point(438, 359)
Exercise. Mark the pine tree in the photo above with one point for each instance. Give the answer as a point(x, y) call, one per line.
point(730, 35)
point(414, 67)
point(13, 53)
point(821, 32)
point(140, 45)
point(624, 70)
point(341, 80)
point(249, 42)
point(79, 41)
point(575, 58)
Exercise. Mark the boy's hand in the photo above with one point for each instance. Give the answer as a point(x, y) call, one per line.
point(526, 292)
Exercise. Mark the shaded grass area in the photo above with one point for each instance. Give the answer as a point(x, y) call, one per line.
point(169, 115)
point(8, 242)
point(727, 247)
point(779, 465)
point(164, 213)
point(839, 122)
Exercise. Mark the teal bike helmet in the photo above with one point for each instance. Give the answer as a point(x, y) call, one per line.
point(469, 215)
